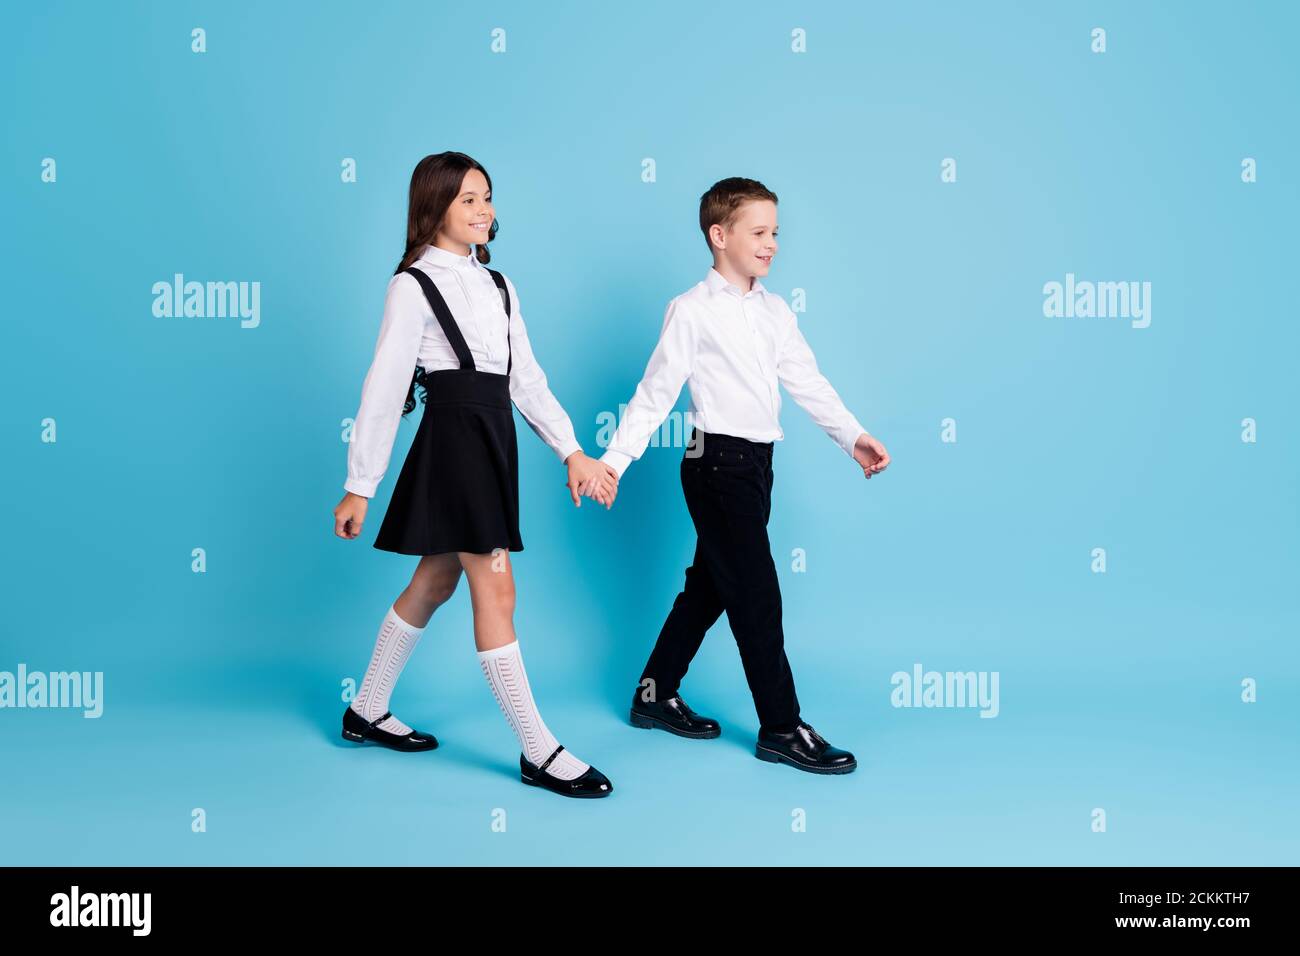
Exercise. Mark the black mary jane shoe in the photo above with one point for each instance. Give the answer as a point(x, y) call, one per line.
point(357, 729)
point(593, 783)
point(672, 715)
point(804, 749)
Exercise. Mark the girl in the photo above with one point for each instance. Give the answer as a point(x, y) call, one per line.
point(453, 327)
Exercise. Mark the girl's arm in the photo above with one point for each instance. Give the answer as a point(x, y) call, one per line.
point(530, 393)
point(384, 391)
point(545, 416)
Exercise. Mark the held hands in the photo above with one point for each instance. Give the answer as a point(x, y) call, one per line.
point(870, 454)
point(350, 515)
point(592, 478)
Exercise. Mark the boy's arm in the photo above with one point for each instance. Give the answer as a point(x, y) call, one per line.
point(797, 370)
point(667, 370)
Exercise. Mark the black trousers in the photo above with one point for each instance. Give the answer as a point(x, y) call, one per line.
point(728, 488)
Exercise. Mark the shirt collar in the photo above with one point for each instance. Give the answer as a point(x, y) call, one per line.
point(717, 282)
point(441, 257)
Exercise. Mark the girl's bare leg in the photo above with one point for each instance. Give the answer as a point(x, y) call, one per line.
point(492, 594)
point(431, 586)
point(492, 591)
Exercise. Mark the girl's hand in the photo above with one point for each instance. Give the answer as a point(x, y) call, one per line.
point(350, 515)
point(870, 454)
point(592, 478)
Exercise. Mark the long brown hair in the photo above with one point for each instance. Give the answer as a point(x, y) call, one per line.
point(435, 184)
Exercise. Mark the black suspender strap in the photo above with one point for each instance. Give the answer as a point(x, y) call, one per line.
point(500, 280)
point(444, 316)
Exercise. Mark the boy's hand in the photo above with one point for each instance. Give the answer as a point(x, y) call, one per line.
point(591, 478)
point(870, 454)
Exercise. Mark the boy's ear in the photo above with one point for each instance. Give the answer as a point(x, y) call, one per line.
point(717, 236)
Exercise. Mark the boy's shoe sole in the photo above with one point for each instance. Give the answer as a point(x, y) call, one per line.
point(772, 756)
point(653, 723)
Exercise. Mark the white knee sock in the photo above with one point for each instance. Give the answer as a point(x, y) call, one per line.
point(504, 669)
point(393, 647)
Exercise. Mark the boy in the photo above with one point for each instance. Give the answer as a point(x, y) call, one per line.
point(733, 341)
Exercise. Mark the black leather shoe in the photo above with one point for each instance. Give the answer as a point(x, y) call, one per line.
point(805, 749)
point(672, 715)
point(593, 783)
point(357, 729)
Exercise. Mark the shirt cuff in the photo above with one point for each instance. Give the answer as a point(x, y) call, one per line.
point(616, 460)
point(568, 448)
point(850, 437)
point(358, 487)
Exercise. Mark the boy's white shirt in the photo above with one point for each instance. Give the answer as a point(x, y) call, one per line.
point(409, 333)
point(732, 349)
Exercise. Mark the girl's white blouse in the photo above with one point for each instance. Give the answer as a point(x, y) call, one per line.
point(410, 334)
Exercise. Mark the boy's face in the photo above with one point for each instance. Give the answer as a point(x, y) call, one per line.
point(748, 244)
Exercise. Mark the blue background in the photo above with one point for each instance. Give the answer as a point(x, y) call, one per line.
point(222, 690)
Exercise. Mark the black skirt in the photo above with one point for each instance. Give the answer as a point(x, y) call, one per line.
point(458, 489)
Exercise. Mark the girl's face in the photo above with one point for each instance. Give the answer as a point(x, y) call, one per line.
point(749, 244)
point(470, 215)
